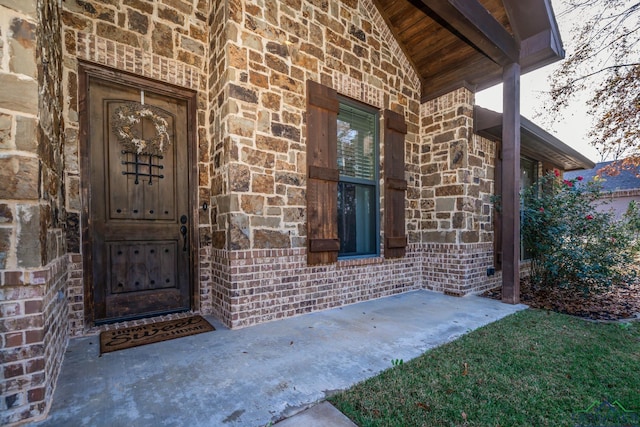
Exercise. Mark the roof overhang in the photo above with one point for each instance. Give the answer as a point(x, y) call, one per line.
point(535, 142)
point(467, 43)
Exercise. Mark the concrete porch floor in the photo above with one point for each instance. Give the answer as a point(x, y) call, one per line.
point(261, 374)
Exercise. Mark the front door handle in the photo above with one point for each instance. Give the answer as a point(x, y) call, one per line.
point(183, 231)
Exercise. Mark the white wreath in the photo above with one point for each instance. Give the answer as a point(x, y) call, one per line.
point(130, 115)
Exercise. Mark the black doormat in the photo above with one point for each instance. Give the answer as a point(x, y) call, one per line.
point(134, 336)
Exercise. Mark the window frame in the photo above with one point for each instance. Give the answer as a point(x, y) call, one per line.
point(535, 168)
point(375, 182)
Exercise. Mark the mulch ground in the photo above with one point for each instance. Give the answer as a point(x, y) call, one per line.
point(619, 302)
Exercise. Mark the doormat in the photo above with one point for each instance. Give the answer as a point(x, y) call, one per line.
point(134, 336)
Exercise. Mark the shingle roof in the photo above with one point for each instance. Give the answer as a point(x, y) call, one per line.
point(627, 180)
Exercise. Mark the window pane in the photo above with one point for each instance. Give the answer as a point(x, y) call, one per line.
point(528, 177)
point(356, 143)
point(528, 172)
point(357, 219)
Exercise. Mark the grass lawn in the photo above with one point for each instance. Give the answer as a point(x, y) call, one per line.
point(533, 368)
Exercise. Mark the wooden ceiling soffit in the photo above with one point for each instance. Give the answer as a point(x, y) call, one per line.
point(393, 30)
point(475, 24)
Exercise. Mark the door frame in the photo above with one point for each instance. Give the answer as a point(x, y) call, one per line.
point(86, 72)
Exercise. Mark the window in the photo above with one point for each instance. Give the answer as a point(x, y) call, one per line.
point(343, 183)
point(528, 177)
point(358, 193)
point(528, 172)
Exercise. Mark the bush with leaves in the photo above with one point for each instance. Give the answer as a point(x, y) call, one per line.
point(632, 219)
point(571, 244)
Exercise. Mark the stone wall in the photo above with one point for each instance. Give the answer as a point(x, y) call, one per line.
point(272, 48)
point(457, 186)
point(50, 131)
point(457, 172)
point(20, 210)
point(33, 264)
point(262, 55)
point(250, 63)
point(166, 42)
point(214, 189)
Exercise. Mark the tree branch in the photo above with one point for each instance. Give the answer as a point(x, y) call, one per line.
point(611, 67)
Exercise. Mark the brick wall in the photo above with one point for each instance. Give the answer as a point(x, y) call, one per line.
point(75, 295)
point(458, 269)
point(33, 264)
point(262, 285)
point(262, 56)
point(256, 286)
point(252, 68)
point(457, 173)
point(34, 337)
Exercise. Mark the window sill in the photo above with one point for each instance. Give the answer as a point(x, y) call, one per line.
point(358, 261)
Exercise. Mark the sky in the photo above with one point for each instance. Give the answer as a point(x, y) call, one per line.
point(572, 127)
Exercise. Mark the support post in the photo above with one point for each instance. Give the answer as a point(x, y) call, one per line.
point(510, 196)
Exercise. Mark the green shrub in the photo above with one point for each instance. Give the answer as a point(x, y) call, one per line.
point(570, 243)
point(632, 219)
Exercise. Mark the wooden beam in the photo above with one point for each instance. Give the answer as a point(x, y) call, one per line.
point(510, 197)
point(539, 50)
point(475, 23)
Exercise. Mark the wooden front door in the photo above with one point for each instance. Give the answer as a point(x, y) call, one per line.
point(139, 222)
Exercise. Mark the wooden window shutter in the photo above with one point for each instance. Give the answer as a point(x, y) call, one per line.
point(497, 212)
point(322, 179)
point(395, 185)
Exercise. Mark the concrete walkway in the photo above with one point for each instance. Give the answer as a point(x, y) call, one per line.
point(261, 374)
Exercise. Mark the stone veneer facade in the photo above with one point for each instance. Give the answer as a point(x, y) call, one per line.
point(248, 61)
point(457, 185)
point(33, 254)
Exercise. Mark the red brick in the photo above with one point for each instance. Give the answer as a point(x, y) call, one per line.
point(33, 306)
point(34, 336)
point(40, 277)
point(10, 309)
point(34, 365)
point(37, 379)
point(21, 353)
point(13, 370)
point(13, 278)
point(14, 339)
point(36, 394)
point(21, 323)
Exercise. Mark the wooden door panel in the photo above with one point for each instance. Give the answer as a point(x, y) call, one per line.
point(139, 202)
point(135, 305)
point(149, 178)
point(140, 266)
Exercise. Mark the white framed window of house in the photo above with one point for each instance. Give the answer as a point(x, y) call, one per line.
point(358, 157)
